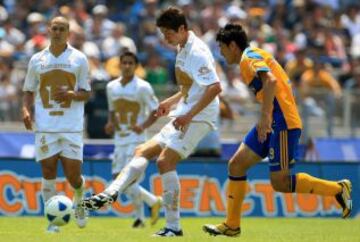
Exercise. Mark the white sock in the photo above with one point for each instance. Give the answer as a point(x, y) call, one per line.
point(146, 196)
point(171, 195)
point(129, 175)
point(79, 192)
point(135, 195)
point(48, 189)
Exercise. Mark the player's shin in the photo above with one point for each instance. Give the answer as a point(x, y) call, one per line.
point(171, 183)
point(48, 188)
point(79, 191)
point(236, 190)
point(128, 175)
point(309, 184)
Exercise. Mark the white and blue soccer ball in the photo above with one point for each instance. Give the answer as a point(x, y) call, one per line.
point(59, 210)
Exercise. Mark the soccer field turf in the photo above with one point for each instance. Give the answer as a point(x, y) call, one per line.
point(103, 229)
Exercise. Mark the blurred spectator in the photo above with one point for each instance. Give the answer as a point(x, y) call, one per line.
point(351, 19)
point(78, 40)
point(157, 75)
point(37, 32)
point(318, 83)
point(352, 87)
point(235, 91)
point(99, 26)
point(6, 48)
point(297, 66)
point(113, 44)
point(96, 110)
point(311, 153)
point(13, 35)
point(8, 95)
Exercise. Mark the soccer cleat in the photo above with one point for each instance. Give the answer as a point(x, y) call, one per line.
point(344, 197)
point(52, 229)
point(155, 211)
point(81, 216)
point(221, 229)
point(138, 223)
point(166, 232)
point(97, 201)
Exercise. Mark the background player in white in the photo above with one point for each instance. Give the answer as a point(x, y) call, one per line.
point(197, 108)
point(132, 108)
point(57, 84)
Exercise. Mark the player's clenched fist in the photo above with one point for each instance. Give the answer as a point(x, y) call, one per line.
point(163, 109)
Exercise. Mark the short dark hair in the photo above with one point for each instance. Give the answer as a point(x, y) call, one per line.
point(233, 32)
point(129, 53)
point(171, 18)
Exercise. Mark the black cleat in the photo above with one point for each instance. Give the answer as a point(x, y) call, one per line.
point(344, 197)
point(166, 232)
point(97, 201)
point(138, 223)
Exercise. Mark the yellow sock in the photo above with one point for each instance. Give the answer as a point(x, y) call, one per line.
point(235, 195)
point(309, 184)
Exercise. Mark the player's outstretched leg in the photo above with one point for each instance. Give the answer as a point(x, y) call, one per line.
point(128, 176)
point(99, 200)
point(221, 229)
point(344, 197)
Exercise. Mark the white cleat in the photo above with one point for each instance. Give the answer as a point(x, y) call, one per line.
point(81, 216)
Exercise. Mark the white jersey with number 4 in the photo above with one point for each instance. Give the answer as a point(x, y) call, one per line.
point(46, 73)
point(131, 104)
point(195, 70)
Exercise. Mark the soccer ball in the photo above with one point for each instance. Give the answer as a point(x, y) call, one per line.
point(58, 210)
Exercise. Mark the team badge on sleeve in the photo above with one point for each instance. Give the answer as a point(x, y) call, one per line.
point(203, 70)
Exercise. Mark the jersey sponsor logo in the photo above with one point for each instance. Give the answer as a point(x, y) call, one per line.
point(55, 66)
point(204, 70)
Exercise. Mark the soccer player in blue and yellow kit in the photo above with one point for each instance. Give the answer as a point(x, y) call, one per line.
point(275, 136)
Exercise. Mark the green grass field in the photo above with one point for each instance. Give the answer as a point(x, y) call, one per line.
point(103, 229)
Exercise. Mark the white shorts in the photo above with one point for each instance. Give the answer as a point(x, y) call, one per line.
point(69, 145)
point(122, 156)
point(183, 142)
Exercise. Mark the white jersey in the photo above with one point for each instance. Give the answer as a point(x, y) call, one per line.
point(131, 105)
point(195, 70)
point(46, 73)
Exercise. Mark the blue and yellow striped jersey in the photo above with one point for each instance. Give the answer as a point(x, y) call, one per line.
point(285, 113)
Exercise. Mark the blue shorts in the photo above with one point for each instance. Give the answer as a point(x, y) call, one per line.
point(280, 146)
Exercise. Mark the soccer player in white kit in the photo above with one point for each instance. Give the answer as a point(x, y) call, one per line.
point(197, 108)
point(132, 108)
point(57, 84)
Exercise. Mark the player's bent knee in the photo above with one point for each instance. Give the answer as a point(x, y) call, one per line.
point(235, 167)
point(75, 180)
point(164, 165)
